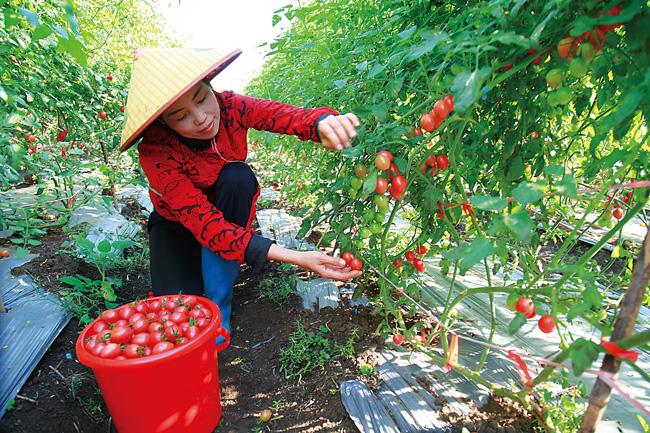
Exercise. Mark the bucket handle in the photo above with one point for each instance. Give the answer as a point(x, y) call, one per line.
point(221, 332)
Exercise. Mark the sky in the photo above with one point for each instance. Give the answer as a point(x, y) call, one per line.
point(227, 24)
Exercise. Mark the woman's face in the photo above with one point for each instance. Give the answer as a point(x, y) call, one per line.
point(195, 114)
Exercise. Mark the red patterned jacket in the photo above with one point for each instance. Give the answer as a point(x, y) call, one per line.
point(179, 176)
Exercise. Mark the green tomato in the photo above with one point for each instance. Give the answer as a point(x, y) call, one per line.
point(511, 302)
point(367, 369)
point(578, 67)
point(365, 233)
point(587, 52)
point(356, 183)
point(368, 215)
point(376, 228)
point(564, 95)
point(554, 78)
point(352, 192)
point(552, 99)
point(380, 217)
point(381, 201)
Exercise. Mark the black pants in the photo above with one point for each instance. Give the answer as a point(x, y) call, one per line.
point(175, 255)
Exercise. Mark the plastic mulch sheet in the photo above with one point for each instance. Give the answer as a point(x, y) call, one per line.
point(33, 320)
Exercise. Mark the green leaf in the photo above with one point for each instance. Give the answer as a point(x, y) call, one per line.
point(104, 246)
point(352, 152)
point(469, 255)
point(511, 38)
point(406, 34)
point(485, 202)
point(370, 183)
point(21, 253)
point(108, 292)
point(72, 281)
point(516, 323)
point(75, 48)
point(553, 170)
point(567, 186)
point(380, 111)
point(583, 354)
point(376, 70)
point(466, 88)
point(431, 40)
point(527, 192)
point(520, 224)
point(340, 83)
point(123, 244)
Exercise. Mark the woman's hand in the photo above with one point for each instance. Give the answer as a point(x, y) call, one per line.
point(326, 266)
point(315, 261)
point(337, 132)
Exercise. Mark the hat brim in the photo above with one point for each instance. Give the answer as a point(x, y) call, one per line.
point(209, 73)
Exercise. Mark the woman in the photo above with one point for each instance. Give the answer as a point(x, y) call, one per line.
point(193, 151)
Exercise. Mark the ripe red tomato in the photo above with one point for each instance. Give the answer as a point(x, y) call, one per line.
point(432, 161)
point(111, 351)
point(109, 78)
point(61, 136)
point(356, 264)
point(192, 332)
point(141, 339)
point(155, 327)
point(198, 313)
point(100, 326)
point(126, 312)
point(140, 326)
point(121, 334)
point(398, 339)
point(178, 317)
point(530, 314)
point(135, 317)
point(141, 307)
point(396, 193)
point(122, 108)
point(428, 122)
point(393, 171)
point(546, 323)
point(416, 132)
point(418, 264)
point(102, 115)
point(387, 154)
point(161, 347)
point(442, 162)
point(151, 317)
point(399, 183)
point(99, 347)
point(525, 305)
point(449, 99)
point(154, 306)
point(90, 343)
point(347, 257)
point(382, 162)
point(110, 316)
point(202, 322)
point(381, 186)
point(421, 250)
point(4, 253)
point(398, 263)
point(410, 256)
point(440, 109)
point(133, 351)
point(618, 213)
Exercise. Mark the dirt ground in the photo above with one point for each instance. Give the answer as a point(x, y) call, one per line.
point(61, 395)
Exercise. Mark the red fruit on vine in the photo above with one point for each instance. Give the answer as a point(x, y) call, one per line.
point(442, 162)
point(534, 134)
point(410, 256)
point(122, 110)
point(421, 250)
point(109, 78)
point(568, 47)
point(382, 161)
point(381, 185)
point(449, 100)
point(399, 184)
point(418, 264)
point(432, 161)
point(530, 314)
point(428, 122)
point(356, 264)
point(417, 132)
point(525, 305)
point(398, 339)
point(440, 109)
point(399, 292)
point(62, 135)
point(423, 169)
point(393, 171)
point(102, 115)
point(347, 257)
point(398, 263)
point(395, 192)
point(546, 323)
point(617, 213)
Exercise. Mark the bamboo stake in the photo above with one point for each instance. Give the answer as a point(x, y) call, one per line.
point(623, 327)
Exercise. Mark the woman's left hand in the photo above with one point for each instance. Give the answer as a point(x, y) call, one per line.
point(337, 132)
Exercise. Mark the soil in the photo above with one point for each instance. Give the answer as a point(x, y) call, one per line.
point(61, 395)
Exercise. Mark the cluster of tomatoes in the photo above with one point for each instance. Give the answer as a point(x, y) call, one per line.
point(441, 109)
point(410, 256)
point(526, 306)
point(384, 162)
point(436, 163)
point(579, 51)
point(148, 327)
point(353, 262)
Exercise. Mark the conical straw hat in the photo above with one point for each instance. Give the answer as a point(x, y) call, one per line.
point(159, 77)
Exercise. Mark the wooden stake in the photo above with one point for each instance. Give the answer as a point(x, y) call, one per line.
point(623, 327)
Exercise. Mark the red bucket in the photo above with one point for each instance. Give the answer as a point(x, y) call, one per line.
point(174, 391)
